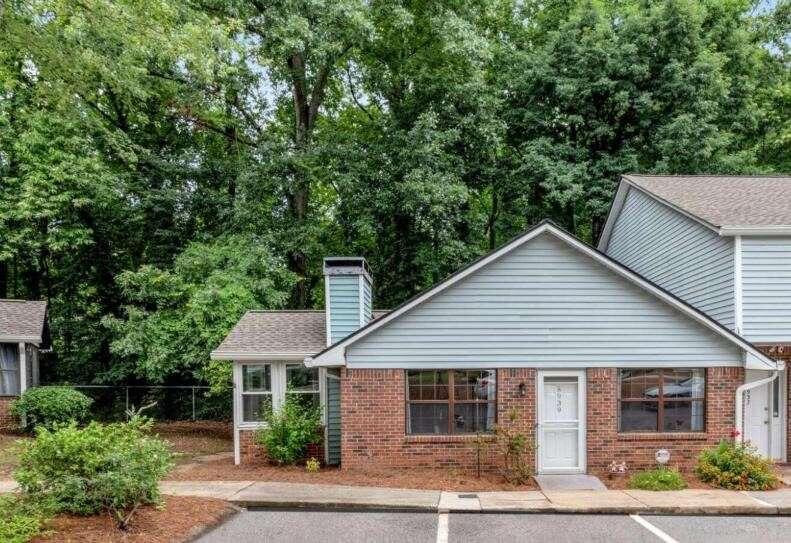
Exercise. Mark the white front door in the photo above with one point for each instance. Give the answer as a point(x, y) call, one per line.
point(757, 418)
point(561, 422)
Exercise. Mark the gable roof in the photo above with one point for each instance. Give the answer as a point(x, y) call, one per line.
point(334, 355)
point(22, 321)
point(287, 335)
point(728, 204)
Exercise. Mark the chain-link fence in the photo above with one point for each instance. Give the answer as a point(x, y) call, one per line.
point(167, 403)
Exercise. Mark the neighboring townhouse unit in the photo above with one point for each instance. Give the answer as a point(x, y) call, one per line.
point(722, 244)
point(22, 332)
point(595, 362)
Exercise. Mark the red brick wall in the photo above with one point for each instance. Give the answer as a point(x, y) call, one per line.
point(606, 444)
point(7, 422)
point(373, 422)
point(250, 452)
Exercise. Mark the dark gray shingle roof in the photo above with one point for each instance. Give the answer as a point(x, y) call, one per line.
point(724, 200)
point(280, 332)
point(22, 320)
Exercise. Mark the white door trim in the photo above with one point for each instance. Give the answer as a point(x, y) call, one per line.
point(581, 417)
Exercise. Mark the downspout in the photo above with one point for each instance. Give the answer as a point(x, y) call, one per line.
point(740, 401)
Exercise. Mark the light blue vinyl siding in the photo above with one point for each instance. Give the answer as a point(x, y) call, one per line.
point(677, 253)
point(544, 304)
point(344, 305)
point(333, 418)
point(766, 295)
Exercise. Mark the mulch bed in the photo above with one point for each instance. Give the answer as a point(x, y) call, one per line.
point(180, 519)
point(415, 478)
point(194, 439)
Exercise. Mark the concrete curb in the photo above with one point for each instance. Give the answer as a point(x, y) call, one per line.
point(275, 495)
point(671, 511)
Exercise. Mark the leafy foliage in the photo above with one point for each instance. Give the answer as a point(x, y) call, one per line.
point(176, 317)
point(20, 520)
point(289, 431)
point(736, 466)
point(50, 406)
point(113, 467)
point(658, 479)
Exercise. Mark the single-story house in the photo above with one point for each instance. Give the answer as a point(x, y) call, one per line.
point(22, 332)
point(591, 361)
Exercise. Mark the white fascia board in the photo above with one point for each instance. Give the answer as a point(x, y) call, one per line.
point(334, 358)
point(337, 355)
point(612, 216)
point(21, 339)
point(779, 230)
point(225, 355)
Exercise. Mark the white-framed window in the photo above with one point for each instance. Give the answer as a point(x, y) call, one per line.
point(9, 369)
point(261, 387)
point(256, 394)
point(302, 385)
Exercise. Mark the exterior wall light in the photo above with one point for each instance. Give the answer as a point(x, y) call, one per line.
point(522, 390)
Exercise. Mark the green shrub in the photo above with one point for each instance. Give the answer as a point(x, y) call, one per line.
point(289, 432)
point(112, 467)
point(50, 406)
point(20, 520)
point(658, 479)
point(736, 466)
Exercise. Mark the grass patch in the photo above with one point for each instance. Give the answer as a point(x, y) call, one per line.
point(658, 479)
point(20, 520)
point(10, 449)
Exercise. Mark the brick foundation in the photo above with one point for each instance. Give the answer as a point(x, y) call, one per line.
point(606, 444)
point(7, 421)
point(373, 422)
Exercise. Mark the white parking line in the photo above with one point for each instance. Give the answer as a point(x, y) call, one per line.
point(653, 529)
point(442, 528)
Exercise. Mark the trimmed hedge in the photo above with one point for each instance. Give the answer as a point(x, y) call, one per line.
point(51, 406)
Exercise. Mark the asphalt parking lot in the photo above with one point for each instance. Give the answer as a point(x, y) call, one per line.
point(296, 526)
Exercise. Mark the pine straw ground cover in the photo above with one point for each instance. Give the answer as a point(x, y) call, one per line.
point(179, 519)
point(194, 439)
point(415, 478)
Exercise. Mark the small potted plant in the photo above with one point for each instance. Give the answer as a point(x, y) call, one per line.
point(617, 469)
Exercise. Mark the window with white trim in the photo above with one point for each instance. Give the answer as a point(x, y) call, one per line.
point(302, 385)
point(9, 369)
point(256, 392)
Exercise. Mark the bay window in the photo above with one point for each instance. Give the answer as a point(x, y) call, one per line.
point(451, 401)
point(662, 400)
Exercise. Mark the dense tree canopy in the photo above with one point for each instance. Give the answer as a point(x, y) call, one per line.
point(166, 164)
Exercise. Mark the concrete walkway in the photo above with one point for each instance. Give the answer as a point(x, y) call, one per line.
point(682, 502)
